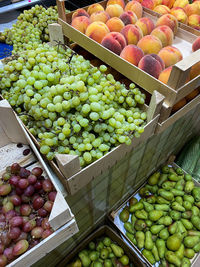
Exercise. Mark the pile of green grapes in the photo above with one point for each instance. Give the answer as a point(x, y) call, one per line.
point(31, 27)
point(70, 106)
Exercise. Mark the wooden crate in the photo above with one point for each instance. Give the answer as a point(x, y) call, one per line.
point(67, 167)
point(175, 90)
point(180, 24)
point(195, 262)
point(103, 231)
point(61, 219)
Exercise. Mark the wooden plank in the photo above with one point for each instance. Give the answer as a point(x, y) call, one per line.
point(155, 105)
point(180, 113)
point(61, 9)
point(181, 70)
point(45, 246)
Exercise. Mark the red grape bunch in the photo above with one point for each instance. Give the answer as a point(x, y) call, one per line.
point(26, 201)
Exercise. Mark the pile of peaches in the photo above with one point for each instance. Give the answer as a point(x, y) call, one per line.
point(184, 11)
point(122, 29)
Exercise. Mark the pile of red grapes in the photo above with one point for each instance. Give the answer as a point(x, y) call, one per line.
point(26, 200)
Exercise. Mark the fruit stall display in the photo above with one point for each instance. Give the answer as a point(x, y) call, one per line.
point(189, 158)
point(35, 218)
point(161, 219)
point(184, 11)
point(104, 247)
point(76, 112)
point(143, 38)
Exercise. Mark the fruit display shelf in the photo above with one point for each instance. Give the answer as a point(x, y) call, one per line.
point(67, 167)
point(102, 232)
point(61, 219)
point(115, 220)
point(174, 90)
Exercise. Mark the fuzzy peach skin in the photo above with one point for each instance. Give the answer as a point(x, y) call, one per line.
point(115, 24)
point(181, 3)
point(180, 14)
point(170, 55)
point(81, 23)
point(114, 10)
point(132, 34)
point(148, 4)
point(168, 20)
point(80, 12)
point(157, 2)
point(164, 34)
point(119, 2)
point(168, 3)
point(191, 9)
point(150, 44)
point(114, 41)
point(195, 71)
point(134, 6)
point(151, 65)
point(97, 31)
point(100, 16)
point(146, 25)
point(164, 75)
point(194, 21)
point(128, 17)
point(132, 54)
point(161, 9)
point(196, 44)
point(94, 8)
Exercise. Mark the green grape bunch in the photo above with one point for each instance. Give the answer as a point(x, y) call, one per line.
point(70, 106)
point(31, 27)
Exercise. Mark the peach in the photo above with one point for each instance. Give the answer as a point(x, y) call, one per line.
point(114, 41)
point(195, 71)
point(119, 2)
point(194, 21)
point(165, 34)
point(164, 75)
point(81, 23)
point(146, 25)
point(128, 17)
point(196, 44)
point(161, 9)
point(148, 4)
point(100, 16)
point(168, 3)
point(168, 20)
point(191, 9)
point(157, 2)
point(180, 14)
point(181, 3)
point(132, 54)
point(134, 6)
point(94, 8)
point(80, 12)
point(115, 24)
point(170, 55)
point(114, 10)
point(97, 31)
point(132, 34)
point(150, 44)
point(151, 65)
